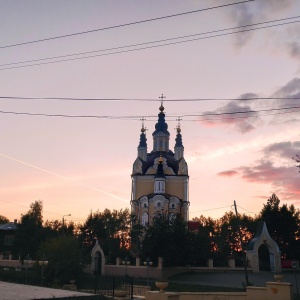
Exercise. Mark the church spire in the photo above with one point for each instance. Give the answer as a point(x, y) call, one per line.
point(178, 149)
point(161, 134)
point(142, 148)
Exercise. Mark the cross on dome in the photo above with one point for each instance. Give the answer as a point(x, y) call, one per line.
point(143, 124)
point(161, 102)
point(178, 124)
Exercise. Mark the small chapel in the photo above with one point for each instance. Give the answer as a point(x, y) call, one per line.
point(160, 180)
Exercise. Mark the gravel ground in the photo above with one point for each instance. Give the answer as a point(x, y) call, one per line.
point(12, 291)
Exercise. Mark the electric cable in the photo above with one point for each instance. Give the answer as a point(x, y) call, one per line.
point(147, 100)
point(150, 116)
point(122, 25)
point(146, 43)
point(145, 48)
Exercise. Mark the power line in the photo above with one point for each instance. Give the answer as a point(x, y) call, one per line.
point(251, 212)
point(192, 212)
point(122, 25)
point(147, 43)
point(147, 99)
point(147, 47)
point(152, 116)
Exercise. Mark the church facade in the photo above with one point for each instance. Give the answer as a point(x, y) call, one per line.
point(160, 181)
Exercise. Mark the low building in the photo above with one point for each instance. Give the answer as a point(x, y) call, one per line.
point(7, 235)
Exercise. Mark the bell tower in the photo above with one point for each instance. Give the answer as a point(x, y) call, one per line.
point(160, 180)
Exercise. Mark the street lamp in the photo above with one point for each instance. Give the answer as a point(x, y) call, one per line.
point(126, 262)
point(63, 219)
point(148, 263)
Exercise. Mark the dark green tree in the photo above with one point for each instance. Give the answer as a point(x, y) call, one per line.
point(56, 228)
point(283, 225)
point(167, 239)
point(110, 228)
point(30, 231)
point(64, 258)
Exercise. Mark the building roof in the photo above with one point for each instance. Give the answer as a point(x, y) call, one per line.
point(9, 226)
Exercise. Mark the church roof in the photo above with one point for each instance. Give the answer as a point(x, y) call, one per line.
point(143, 140)
point(169, 156)
point(178, 139)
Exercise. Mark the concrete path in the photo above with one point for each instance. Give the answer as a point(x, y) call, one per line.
point(12, 291)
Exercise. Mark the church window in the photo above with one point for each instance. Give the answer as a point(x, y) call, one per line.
point(172, 218)
point(145, 205)
point(144, 219)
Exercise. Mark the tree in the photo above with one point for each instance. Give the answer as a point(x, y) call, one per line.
point(208, 235)
point(56, 228)
point(283, 225)
point(166, 239)
point(64, 259)
point(3, 220)
point(110, 228)
point(30, 231)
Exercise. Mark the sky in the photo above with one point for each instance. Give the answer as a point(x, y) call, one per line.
point(78, 165)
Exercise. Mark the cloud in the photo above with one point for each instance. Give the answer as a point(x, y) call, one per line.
point(236, 113)
point(284, 180)
point(284, 149)
point(244, 115)
point(258, 11)
point(276, 169)
point(289, 90)
point(228, 173)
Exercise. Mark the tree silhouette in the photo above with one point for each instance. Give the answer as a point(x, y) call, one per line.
point(283, 225)
point(30, 231)
point(3, 220)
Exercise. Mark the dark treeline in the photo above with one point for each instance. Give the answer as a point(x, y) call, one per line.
point(67, 246)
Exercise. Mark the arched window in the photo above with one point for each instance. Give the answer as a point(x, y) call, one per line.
point(145, 218)
point(172, 218)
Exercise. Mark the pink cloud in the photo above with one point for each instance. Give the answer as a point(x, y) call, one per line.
point(284, 179)
point(228, 173)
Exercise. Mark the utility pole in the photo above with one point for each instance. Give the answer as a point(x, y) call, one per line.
point(242, 245)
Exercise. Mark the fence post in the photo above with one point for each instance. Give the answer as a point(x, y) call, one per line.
point(114, 285)
point(131, 289)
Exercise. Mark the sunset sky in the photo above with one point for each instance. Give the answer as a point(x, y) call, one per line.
point(76, 165)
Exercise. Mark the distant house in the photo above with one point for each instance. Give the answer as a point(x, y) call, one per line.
point(7, 234)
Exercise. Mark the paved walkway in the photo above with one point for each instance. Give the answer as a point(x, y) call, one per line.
point(12, 291)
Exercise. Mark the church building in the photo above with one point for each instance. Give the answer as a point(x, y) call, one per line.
point(160, 181)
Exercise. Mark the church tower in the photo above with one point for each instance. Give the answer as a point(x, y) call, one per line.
point(160, 177)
